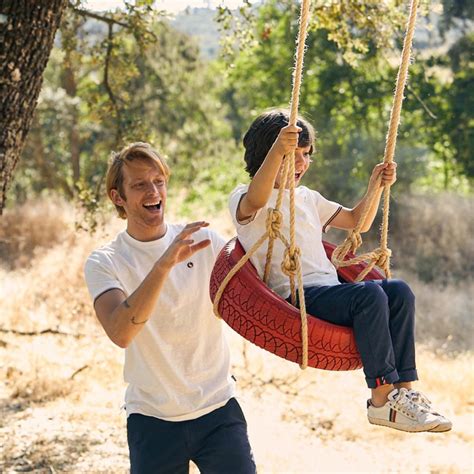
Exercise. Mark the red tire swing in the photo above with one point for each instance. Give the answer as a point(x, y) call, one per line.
point(262, 317)
point(265, 319)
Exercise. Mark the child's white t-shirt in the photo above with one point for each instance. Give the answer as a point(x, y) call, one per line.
point(313, 214)
point(177, 366)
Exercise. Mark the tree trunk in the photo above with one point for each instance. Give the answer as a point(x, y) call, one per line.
point(27, 30)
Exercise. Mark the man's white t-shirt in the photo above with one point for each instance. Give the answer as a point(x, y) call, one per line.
point(177, 366)
point(313, 214)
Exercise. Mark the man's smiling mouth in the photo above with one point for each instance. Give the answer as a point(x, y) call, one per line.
point(153, 206)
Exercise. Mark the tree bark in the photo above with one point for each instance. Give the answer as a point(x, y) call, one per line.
point(27, 30)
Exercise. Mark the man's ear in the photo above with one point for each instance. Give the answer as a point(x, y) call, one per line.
point(116, 198)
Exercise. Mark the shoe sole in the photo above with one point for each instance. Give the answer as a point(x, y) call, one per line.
point(441, 428)
point(408, 428)
point(444, 426)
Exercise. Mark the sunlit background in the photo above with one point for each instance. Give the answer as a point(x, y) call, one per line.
point(172, 6)
point(191, 85)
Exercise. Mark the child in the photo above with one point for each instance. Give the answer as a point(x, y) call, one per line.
point(380, 312)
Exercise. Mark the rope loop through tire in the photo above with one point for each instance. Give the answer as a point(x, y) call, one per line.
point(383, 258)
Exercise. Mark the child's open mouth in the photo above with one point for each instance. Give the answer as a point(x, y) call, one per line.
point(153, 207)
point(297, 176)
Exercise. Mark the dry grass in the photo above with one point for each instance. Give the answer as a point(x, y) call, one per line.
point(48, 286)
point(60, 395)
point(444, 314)
point(32, 228)
point(431, 237)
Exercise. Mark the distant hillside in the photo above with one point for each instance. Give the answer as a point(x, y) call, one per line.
point(200, 24)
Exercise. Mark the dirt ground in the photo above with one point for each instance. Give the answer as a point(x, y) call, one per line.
point(61, 411)
point(61, 390)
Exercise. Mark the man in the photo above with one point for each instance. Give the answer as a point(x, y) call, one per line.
point(150, 292)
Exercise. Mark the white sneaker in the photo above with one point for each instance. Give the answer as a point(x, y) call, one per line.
point(401, 413)
point(422, 400)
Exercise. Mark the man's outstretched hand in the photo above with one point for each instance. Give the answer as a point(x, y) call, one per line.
point(183, 246)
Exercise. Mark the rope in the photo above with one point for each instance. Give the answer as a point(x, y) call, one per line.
point(381, 256)
point(291, 264)
point(284, 175)
point(273, 225)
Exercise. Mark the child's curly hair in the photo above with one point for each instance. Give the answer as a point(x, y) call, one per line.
point(264, 131)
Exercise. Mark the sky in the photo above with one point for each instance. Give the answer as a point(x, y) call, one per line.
point(172, 6)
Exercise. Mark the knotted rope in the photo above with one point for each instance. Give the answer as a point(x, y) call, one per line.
point(291, 264)
point(381, 256)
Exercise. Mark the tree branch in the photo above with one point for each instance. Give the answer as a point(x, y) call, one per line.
point(78, 371)
point(418, 98)
point(40, 333)
point(107, 86)
point(96, 16)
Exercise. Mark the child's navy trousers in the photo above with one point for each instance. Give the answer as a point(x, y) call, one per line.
point(382, 314)
point(217, 443)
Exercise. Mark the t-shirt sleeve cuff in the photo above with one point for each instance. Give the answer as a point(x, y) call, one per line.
point(328, 222)
point(247, 220)
point(106, 291)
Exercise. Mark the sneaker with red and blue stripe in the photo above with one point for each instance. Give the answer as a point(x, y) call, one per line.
point(402, 413)
point(422, 400)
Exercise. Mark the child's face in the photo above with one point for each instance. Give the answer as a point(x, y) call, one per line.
point(302, 162)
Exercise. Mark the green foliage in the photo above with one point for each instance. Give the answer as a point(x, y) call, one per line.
point(89, 202)
point(348, 106)
point(445, 121)
point(455, 12)
point(347, 94)
point(352, 26)
point(126, 88)
point(129, 75)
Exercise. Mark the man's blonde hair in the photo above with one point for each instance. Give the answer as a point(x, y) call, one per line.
point(133, 151)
